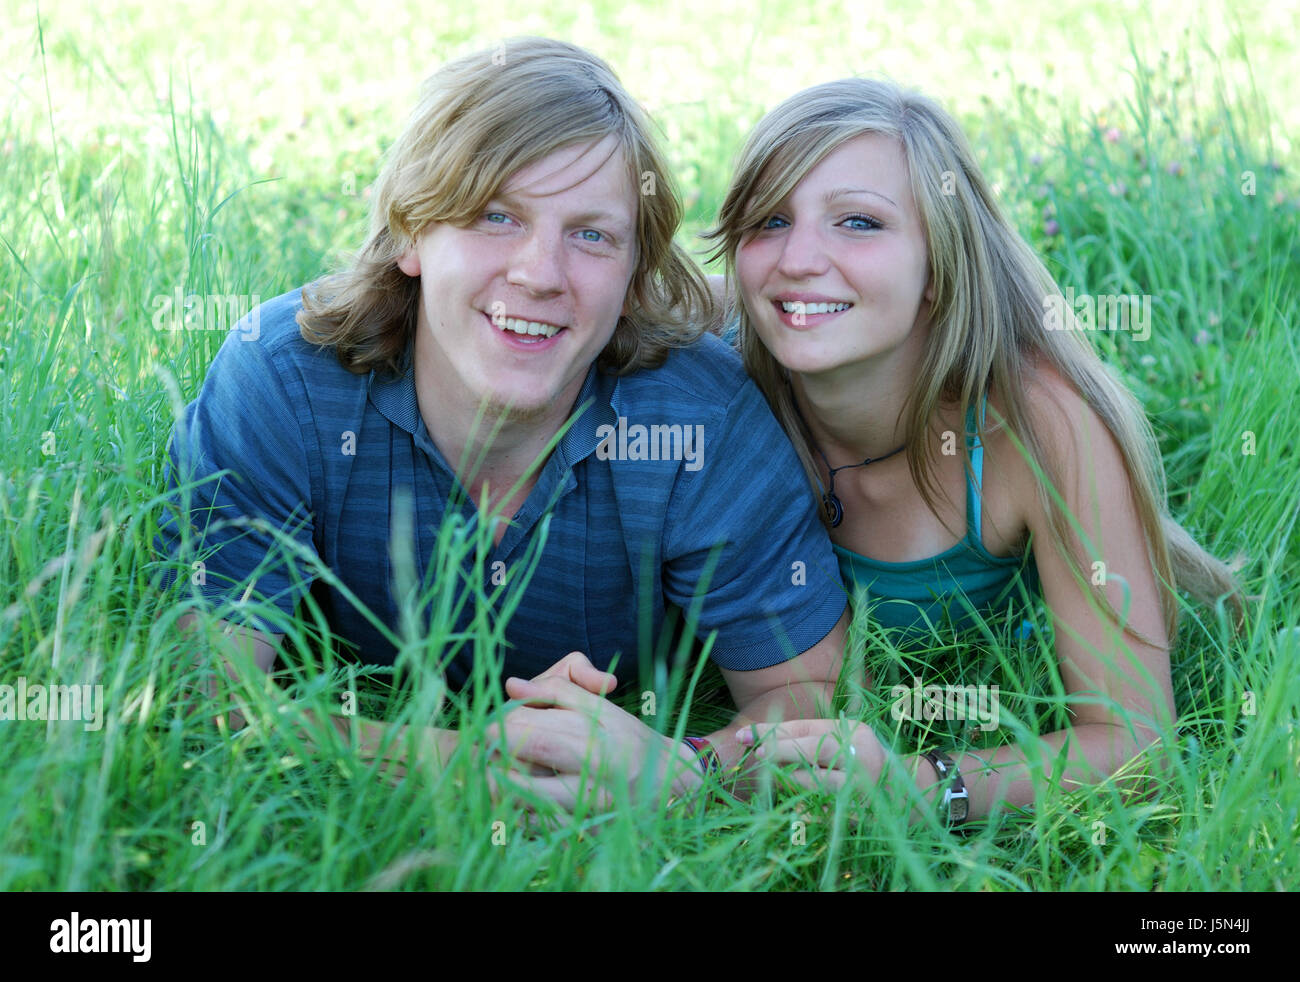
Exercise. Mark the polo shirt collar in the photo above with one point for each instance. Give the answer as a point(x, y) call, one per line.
point(394, 397)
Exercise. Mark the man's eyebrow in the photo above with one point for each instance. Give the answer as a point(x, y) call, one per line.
point(594, 216)
point(834, 193)
point(608, 218)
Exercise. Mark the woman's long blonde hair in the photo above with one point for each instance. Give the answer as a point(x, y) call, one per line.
point(481, 119)
point(988, 328)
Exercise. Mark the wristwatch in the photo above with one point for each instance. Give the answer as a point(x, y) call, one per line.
point(956, 799)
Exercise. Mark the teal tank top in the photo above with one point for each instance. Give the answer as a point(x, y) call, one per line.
point(915, 598)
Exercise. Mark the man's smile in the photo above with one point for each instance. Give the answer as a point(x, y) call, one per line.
point(523, 331)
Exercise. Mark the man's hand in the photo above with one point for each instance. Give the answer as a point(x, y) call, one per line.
point(564, 728)
point(577, 668)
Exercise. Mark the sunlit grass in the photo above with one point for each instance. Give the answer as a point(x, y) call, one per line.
point(1165, 182)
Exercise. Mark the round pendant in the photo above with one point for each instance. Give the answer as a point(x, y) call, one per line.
point(834, 510)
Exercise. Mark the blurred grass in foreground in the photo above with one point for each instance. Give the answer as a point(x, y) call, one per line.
point(1129, 174)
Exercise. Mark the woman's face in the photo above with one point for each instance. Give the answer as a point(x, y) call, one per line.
point(838, 273)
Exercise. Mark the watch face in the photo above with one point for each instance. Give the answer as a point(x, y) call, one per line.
point(958, 806)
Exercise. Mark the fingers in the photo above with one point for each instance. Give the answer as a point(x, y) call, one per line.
point(593, 679)
point(818, 779)
point(791, 729)
point(824, 751)
point(578, 669)
point(557, 740)
point(529, 693)
point(583, 673)
point(567, 791)
point(547, 788)
point(552, 691)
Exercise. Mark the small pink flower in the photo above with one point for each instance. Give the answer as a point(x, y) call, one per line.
point(1202, 337)
point(1035, 160)
point(1112, 135)
point(1051, 227)
point(1118, 189)
point(1176, 168)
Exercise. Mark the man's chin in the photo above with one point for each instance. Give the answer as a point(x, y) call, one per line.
point(510, 413)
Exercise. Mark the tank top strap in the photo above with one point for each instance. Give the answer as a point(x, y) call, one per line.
point(974, 480)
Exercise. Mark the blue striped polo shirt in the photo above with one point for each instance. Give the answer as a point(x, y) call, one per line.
point(302, 476)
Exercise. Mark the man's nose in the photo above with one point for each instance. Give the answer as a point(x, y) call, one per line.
point(537, 264)
point(803, 254)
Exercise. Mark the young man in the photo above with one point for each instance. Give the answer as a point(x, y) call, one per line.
point(520, 277)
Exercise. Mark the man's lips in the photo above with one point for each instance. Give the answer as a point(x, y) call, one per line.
point(522, 332)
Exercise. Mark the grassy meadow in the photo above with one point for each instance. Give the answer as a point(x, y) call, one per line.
point(226, 149)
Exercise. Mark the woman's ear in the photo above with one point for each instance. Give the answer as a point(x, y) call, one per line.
point(409, 261)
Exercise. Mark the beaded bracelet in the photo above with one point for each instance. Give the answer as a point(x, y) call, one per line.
point(707, 757)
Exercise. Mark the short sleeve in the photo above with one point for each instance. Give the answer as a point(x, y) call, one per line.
point(238, 474)
point(743, 527)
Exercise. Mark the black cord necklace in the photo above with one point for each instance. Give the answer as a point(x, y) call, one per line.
point(835, 510)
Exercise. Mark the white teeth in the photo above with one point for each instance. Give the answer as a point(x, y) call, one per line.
point(525, 327)
point(799, 307)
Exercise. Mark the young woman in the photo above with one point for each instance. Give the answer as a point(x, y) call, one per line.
point(960, 438)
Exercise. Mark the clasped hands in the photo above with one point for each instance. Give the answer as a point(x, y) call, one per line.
point(566, 729)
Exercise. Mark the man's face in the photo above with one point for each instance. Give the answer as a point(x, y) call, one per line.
point(516, 307)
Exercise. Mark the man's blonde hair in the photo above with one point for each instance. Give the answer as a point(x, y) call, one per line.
point(481, 119)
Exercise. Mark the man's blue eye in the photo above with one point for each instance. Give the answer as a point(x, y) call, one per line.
point(591, 235)
point(770, 221)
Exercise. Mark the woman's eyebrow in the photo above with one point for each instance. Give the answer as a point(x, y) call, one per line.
point(834, 193)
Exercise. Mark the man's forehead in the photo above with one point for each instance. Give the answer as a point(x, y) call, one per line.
point(596, 168)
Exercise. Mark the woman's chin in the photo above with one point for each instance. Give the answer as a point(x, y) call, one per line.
point(810, 362)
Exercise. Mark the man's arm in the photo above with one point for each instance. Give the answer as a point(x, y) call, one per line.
point(235, 640)
point(435, 744)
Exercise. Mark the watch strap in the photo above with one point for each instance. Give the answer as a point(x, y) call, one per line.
point(955, 804)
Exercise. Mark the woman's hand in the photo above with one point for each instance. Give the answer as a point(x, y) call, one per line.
point(832, 751)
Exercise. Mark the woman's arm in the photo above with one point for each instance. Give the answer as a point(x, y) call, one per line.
point(1119, 684)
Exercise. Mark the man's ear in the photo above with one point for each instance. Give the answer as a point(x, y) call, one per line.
point(409, 261)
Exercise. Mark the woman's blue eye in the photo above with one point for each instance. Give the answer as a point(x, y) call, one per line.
point(861, 223)
point(495, 217)
point(591, 235)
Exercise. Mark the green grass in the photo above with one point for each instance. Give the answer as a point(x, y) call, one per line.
point(140, 151)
